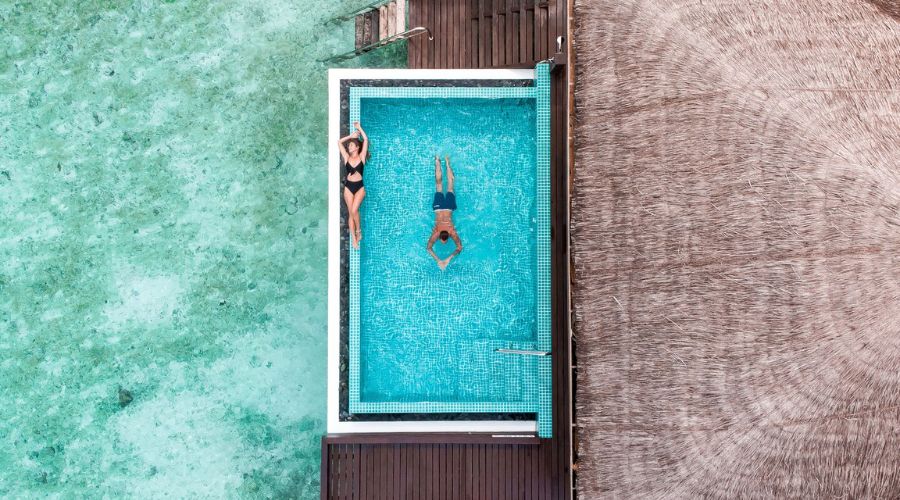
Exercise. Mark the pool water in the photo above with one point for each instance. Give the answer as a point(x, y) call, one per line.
point(427, 334)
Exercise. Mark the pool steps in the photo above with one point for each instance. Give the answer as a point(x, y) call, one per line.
point(377, 25)
point(381, 20)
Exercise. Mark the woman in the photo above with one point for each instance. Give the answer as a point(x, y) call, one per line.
point(354, 155)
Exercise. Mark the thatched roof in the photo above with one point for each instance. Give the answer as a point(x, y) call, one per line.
point(736, 238)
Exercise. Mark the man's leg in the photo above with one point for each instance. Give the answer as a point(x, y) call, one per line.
point(449, 175)
point(438, 178)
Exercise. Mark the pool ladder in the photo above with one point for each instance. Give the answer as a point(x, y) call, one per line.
point(410, 33)
point(378, 24)
point(523, 352)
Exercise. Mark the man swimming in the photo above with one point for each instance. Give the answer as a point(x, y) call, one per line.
point(444, 204)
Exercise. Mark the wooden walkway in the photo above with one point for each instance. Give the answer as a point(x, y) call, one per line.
point(477, 34)
point(439, 467)
point(485, 33)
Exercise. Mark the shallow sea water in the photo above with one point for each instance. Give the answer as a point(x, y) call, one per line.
point(427, 334)
point(163, 246)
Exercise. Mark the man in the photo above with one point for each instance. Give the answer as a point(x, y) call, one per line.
point(444, 204)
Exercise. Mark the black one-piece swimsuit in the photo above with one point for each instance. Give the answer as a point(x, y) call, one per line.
point(353, 186)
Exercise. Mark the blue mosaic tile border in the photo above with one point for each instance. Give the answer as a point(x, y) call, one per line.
point(439, 93)
point(445, 407)
point(541, 402)
point(545, 372)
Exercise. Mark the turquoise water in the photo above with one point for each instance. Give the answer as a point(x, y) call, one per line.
point(163, 180)
point(427, 334)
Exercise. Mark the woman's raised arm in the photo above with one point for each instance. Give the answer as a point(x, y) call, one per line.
point(365, 148)
point(341, 147)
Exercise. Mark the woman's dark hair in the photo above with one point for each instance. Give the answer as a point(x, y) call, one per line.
point(359, 145)
point(444, 236)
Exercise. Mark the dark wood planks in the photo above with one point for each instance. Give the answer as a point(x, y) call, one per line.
point(440, 471)
point(485, 33)
point(414, 49)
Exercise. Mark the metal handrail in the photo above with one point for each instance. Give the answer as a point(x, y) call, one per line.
point(524, 352)
point(418, 30)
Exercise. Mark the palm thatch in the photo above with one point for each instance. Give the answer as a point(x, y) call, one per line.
point(736, 239)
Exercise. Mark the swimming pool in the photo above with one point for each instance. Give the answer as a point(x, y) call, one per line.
point(447, 322)
point(422, 340)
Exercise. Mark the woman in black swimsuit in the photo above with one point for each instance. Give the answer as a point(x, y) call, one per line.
point(354, 155)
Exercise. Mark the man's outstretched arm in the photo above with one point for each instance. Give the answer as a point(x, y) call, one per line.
point(430, 247)
point(458, 244)
point(456, 252)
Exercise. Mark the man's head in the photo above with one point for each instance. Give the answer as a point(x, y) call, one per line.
point(444, 236)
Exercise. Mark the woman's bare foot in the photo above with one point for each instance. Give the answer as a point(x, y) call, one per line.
point(358, 236)
point(353, 239)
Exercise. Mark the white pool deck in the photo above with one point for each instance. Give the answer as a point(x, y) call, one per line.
point(335, 426)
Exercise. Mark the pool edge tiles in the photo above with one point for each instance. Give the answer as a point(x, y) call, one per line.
point(542, 404)
point(545, 373)
point(357, 93)
point(353, 302)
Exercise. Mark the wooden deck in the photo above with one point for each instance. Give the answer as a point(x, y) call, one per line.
point(439, 467)
point(485, 33)
point(480, 34)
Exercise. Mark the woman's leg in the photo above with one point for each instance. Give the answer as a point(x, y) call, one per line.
point(354, 231)
point(357, 201)
point(351, 220)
